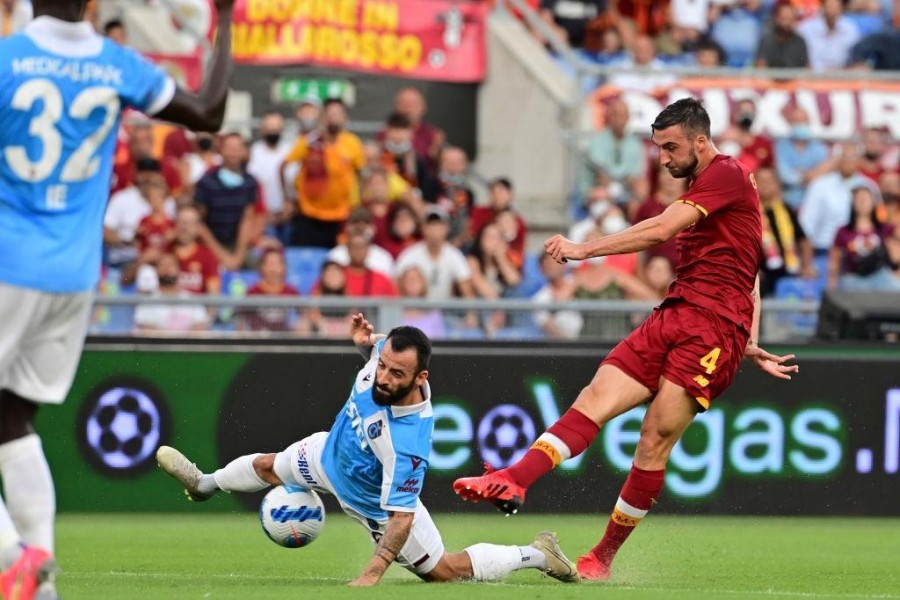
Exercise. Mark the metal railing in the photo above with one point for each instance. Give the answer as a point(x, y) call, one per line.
point(508, 319)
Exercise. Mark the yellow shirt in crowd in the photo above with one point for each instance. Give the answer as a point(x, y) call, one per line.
point(328, 185)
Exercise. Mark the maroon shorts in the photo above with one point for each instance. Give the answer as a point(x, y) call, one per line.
point(688, 345)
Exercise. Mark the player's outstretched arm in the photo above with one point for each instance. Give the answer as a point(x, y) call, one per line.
point(206, 110)
point(770, 363)
point(395, 535)
point(363, 335)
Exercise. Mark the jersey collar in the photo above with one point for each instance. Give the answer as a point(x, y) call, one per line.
point(422, 408)
point(78, 40)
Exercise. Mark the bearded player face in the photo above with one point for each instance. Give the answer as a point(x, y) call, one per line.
point(677, 151)
point(396, 375)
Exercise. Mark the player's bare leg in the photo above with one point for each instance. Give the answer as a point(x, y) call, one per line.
point(490, 562)
point(667, 418)
point(608, 395)
point(248, 473)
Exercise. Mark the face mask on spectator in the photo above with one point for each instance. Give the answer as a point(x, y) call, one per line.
point(308, 124)
point(598, 209)
point(230, 179)
point(333, 128)
point(452, 180)
point(397, 148)
point(205, 144)
point(168, 280)
point(745, 121)
point(614, 224)
point(272, 139)
point(801, 132)
point(871, 156)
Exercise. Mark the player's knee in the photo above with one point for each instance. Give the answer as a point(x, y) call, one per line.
point(655, 444)
point(264, 464)
point(451, 567)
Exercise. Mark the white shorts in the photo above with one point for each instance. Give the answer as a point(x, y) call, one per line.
point(300, 465)
point(40, 341)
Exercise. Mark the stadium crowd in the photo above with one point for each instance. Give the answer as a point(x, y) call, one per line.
point(309, 208)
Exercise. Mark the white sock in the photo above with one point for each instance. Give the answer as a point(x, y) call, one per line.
point(490, 561)
point(10, 542)
point(240, 476)
point(28, 488)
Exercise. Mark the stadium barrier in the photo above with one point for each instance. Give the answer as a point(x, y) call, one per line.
point(827, 442)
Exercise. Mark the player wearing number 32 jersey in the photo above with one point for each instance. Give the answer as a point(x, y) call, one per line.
point(685, 354)
point(62, 92)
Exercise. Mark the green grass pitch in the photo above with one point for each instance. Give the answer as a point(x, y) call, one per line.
point(213, 556)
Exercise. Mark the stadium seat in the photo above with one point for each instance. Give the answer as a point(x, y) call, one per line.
point(798, 289)
point(236, 283)
point(518, 333)
point(303, 266)
point(532, 279)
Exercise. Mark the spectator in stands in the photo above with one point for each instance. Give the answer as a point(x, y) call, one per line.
point(826, 205)
point(799, 158)
point(229, 200)
point(737, 30)
point(397, 187)
point(668, 190)
point(272, 273)
point(361, 223)
point(127, 208)
point(428, 140)
point(571, 17)
point(402, 229)
point(642, 56)
point(199, 156)
point(451, 192)
point(442, 263)
point(755, 151)
point(328, 184)
point(513, 229)
point(397, 153)
point(412, 284)
point(603, 216)
point(614, 150)
point(170, 318)
point(692, 15)
point(199, 266)
point(560, 288)
point(658, 274)
point(266, 156)
point(781, 47)
point(612, 49)
point(879, 51)
point(330, 323)
point(308, 114)
point(156, 231)
point(866, 251)
point(139, 147)
point(14, 16)
point(495, 268)
point(890, 194)
point(877, 155)
point(829, 37)
point(363, 281)
point(114, 29)
point(785, 250)
point(707, 53)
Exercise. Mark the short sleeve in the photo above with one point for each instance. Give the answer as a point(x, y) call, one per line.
point(145, 86)
point(298, 152)
point(461, 269)
point(715, 189)
point(405, 477)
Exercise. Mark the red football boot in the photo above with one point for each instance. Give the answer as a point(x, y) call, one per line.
point(21, 581)
point(591, 569)
point(495, 487)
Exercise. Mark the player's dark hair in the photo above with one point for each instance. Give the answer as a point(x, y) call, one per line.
point(398, 120)
point(113, 24)
point(687, 112)
point(405, 337)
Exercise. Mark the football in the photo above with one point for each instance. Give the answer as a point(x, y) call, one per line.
point(292, 517)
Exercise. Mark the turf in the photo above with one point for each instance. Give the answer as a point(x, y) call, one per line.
point(160, 557)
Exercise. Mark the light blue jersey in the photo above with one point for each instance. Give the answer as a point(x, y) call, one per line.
point(62, 92)
point(376, 456)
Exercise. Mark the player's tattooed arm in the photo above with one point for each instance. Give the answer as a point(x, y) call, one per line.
point(395, 535)
point(363, 335)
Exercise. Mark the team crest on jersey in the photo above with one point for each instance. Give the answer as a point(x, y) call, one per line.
point(374, 429)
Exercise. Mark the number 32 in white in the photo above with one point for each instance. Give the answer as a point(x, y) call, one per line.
point(82, 164)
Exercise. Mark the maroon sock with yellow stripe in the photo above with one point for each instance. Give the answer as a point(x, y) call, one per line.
point(640, 491)
point(568, 437)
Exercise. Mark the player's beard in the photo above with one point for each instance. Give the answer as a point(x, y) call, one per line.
point(684, 170)
point(387, 398)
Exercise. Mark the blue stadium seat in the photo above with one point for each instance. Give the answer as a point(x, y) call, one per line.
point(303, 266)
point(795, 288)
point(518, 333)
point(532, 279)
point(236, 283)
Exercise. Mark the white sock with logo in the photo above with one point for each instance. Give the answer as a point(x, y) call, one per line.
point(28, 489)
point(491, 562)
point(240, 476)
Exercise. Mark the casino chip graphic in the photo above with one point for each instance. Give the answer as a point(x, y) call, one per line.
point(122, 425)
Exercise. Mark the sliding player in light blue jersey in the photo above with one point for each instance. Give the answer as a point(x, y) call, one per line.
point(374, 461)
point(62, 92)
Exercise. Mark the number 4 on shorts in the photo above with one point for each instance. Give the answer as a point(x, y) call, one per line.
point(709, 361)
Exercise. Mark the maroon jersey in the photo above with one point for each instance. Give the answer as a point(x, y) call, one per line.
point(197, 269)
point(719, 255)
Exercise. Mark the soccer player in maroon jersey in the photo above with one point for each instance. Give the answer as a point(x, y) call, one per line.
point(685, 354)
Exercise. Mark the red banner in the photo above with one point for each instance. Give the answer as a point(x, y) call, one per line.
point(440, 40)
point(837, 110)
